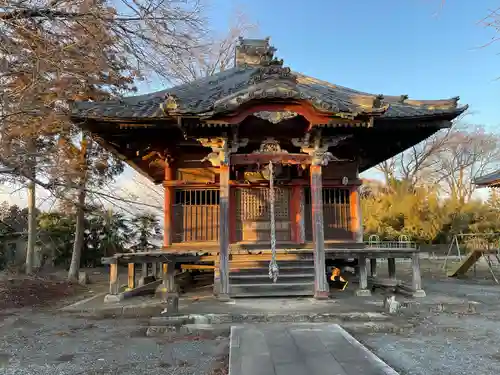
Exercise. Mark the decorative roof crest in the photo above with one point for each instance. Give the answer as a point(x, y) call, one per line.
point(264, 73)
point(275, 116)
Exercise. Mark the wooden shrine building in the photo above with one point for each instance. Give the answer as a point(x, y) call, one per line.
point(210, 144)
point(491, 180)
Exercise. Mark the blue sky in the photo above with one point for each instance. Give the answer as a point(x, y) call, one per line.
point(393, 47)
point(427, 49)
point(414, 47)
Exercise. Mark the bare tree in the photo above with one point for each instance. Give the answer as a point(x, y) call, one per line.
point(388, 169)
point(492, 20)
point(416, 165)
point(56, 51)
point(215, 53)
point(468, 153)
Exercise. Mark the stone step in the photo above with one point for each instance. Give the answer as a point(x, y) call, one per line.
point(269, 317)
point(251, 279)
point(284, 270)
point(270, 289)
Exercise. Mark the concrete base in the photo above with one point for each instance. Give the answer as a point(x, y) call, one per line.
point(321, 295)
point(325, 350)
point(266, 317)
point(172, 304)
point(113, 298)
point(83, 278)
point(363, 293)
point(216, 287)
point(223, 297)
point(420, 293)
point(161, 292)
point(170, 299)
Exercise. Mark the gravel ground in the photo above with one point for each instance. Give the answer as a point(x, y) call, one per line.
point(442, 344)
point(43, 343)
point(40, 340)
point(447, 343)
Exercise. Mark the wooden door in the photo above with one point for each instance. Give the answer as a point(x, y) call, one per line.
point(253, 215)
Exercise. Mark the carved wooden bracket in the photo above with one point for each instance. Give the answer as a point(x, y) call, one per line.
point(270, 146)
point(222, 148)
point(157, 158)
point(318, 149)
point(168, 159)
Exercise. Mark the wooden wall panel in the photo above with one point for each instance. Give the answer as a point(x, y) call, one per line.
point(335, 171)
point(197, 175)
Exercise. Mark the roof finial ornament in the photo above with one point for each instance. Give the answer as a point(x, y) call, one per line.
point(377, 101)
point(255, 52)
point(169, 104)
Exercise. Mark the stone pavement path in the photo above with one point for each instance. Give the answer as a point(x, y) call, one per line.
point(300, 349)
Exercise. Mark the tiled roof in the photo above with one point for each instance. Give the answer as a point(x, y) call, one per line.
point(488, 179)
point(5, 228)
point(225, 91)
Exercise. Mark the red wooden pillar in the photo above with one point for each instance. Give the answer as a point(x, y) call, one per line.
point(224, 204)
point(167, 209)
point(320, 284)
point(356, 219)
point(296, 214)
point(232, 215)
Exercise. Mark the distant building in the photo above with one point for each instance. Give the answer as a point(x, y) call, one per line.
point(12, 245)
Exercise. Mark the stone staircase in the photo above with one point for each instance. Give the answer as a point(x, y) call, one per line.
point(250, 278)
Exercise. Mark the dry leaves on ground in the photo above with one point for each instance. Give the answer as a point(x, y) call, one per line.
point(27, 291)
point(222, 367)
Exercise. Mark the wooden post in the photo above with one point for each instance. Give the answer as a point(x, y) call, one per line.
point(131, 276)
point(417, 279)
point(373, 267)
point(114, 284)
point(154, 269)
point(356, 219)
point(391, 265)
point(320, 284)
point(224, 232)
point(144, 279)
point(363, 290)
point(167, 209)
